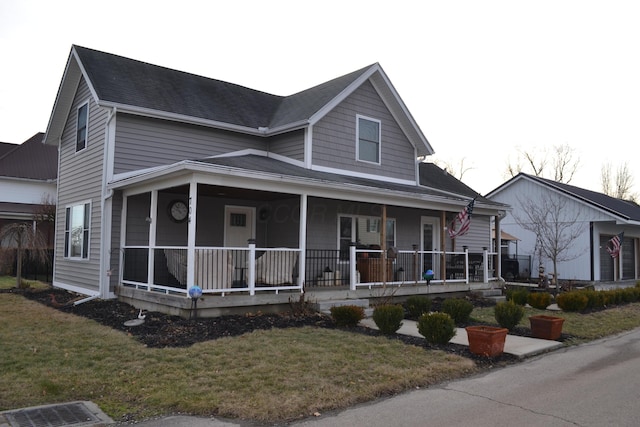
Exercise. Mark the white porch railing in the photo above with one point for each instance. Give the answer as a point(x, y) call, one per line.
point(220, 270)
point(216, 270)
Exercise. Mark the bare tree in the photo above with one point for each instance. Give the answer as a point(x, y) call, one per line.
point(456, 170)
point(555, 225)
point(23, 236)
point(619, 186)
point(559, 163)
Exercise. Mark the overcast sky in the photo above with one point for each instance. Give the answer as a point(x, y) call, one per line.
point(481, 78)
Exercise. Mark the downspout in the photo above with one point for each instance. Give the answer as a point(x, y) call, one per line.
point(82, 301)
point(105, 235)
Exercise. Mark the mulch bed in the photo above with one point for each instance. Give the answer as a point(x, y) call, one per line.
point(162, 330)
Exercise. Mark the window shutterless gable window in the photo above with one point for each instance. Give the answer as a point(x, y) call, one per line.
point(76, 231)
point(368, 143)
point(82, 125)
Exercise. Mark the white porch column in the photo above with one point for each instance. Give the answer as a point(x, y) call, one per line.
point(153, 220)
point(485, 265)
point(191, 239)
point(302, 239)
point(498, 263)
point(252, 267)
point(353, 279)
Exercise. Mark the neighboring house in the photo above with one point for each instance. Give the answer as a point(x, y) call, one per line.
point(28, 173)
point(598, 218)
point(169, 180)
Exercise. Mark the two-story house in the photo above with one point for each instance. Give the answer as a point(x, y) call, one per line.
point(169, 180)
point(28, 173)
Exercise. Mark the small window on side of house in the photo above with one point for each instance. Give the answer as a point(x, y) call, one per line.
point(368, 143)
point(76, 231)
point(82, 126)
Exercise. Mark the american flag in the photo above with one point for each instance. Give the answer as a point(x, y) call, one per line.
point(613, 246)
point(464, 218)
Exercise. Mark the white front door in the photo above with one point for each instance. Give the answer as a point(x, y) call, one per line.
point(239, 226)
point(430, 239)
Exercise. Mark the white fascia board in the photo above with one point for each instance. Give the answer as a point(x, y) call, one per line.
point(164, 115)
point(362, 175)
point(64, 99)
point(406, 114)
point(343, 95)
point(265, 181)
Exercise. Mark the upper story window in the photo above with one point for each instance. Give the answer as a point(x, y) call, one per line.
point(76, 231)
point(368, 144)
point(81, 127)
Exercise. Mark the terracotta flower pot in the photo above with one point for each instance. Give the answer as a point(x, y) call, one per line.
point(546, 327)
point(486, 340)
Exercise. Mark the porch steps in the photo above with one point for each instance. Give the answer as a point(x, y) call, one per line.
point(325, 306)
point(490, 294)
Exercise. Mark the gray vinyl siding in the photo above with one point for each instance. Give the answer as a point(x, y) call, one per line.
point(476, 239)
point(144, 142)
point(322, 216)
point(80, 180)
point(334, 138)
point(289, 144)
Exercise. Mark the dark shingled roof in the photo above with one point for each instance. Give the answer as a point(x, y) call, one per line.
point(457, 190)
point(5, 147)
point(129, 82)
point(433, 176)
point(31, 160)
point(623, 208)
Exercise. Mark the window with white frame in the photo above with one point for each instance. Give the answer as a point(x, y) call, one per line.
point(76, 231)
point(365, 231)
point(82, 125)
point(368, 144)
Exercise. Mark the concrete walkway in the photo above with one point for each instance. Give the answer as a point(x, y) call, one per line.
point(514, 344)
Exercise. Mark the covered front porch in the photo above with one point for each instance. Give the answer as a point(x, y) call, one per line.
point(237, 237)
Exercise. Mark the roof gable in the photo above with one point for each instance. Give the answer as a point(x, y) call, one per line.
point(31, 160)
point(142, 88)
point(619, 208)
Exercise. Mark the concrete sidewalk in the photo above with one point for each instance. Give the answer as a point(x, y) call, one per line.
point(514, 344)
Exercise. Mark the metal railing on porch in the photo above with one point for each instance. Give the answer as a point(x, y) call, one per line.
point(220, 270)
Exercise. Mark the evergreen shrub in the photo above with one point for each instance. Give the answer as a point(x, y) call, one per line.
point(508, 314)
point(388, 318)
point(459, 309)
point(347, 315)
point(417, 305)
point(436, 328)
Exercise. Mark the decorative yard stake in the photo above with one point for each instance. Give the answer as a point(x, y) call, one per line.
point(195, 292)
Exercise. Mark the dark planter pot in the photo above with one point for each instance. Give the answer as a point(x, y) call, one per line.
point(486, 340)
point(546, 327)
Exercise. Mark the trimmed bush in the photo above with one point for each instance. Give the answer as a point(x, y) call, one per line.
point(539, 300)
point(347, 315)
point(417, 305)
point(459, 309)
point(436, 328)
point(518, 296)
point(598, 299)
point(388, 318)
point(508, 314)
point(572, 301)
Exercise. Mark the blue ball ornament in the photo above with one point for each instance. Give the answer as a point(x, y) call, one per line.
point(195, 291)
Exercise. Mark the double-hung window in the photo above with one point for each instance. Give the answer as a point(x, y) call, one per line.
point(82, 125)
point(365, 231)
point(368, 144)
point(76, 231)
